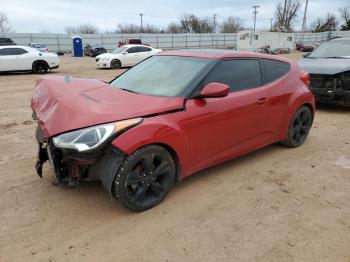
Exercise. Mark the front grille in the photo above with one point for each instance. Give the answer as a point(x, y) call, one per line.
point(324, 82)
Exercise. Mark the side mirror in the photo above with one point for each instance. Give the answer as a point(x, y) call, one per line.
point(215, 90)
point(306, 55)
point(125, 52)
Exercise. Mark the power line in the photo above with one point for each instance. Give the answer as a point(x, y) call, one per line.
point(255, 13)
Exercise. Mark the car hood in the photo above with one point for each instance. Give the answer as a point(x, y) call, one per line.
point(62, 104)
point(325, 66)
point(109, 55)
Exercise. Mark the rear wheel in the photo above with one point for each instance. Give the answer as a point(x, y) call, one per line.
point(144, 178)
point(40, 67)
point(115, 64)
point(299, 127)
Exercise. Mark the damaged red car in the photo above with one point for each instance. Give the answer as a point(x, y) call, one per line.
point(168, 117)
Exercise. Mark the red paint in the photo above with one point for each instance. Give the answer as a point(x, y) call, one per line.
point(205, 132)
point(63, 105)
point(215, 90)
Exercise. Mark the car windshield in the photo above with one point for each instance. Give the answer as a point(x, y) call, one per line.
point(332, 49)
point(162, 75)
point(119, 50)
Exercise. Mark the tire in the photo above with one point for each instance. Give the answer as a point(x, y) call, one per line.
point(40, 67)
point(299, 127)
point(145, 178)
point(115, 64)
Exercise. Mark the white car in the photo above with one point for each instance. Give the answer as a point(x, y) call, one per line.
point(24, 58)
point(127, 55)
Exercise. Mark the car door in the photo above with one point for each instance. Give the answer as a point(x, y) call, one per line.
point(222, 128)
point(144, 52)
point(130, 57)
point(13, 59)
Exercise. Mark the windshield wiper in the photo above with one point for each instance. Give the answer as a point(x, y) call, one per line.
point(334, 57)
point(127, 90)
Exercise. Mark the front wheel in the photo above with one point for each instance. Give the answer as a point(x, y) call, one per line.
point(299, 127)
point(40, 67)
point(115, 64)
point(144, 178)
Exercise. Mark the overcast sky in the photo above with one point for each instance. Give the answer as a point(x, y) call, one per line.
point(54, 15)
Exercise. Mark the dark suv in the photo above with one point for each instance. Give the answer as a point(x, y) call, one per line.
point(6, 41)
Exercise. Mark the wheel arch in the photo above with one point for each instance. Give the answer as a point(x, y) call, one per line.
point(40, 60)
point(160, 134)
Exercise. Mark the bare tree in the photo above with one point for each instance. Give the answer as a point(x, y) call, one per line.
point(194, 24)
point(4, 23)
point(230, 25)
point(128, 29)
point(174, 28)
point(81, 29)
point(150, 29)
point(345, 15)
point(323, 24)
point(286, 13)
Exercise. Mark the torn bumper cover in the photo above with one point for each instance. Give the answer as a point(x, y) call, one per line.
point(71, 166)
point(331, 88)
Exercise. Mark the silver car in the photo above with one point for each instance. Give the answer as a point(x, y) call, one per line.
point(40, 47)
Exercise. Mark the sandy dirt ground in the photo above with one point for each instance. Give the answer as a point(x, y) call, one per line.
point(276, 204)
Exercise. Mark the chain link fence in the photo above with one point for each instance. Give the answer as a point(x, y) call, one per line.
point(63, 42)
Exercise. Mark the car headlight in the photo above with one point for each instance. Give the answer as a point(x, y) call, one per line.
point(90, 138)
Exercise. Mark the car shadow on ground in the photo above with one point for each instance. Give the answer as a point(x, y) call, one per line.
point(332, 108)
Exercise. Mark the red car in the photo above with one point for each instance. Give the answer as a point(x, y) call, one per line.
point(168, 117)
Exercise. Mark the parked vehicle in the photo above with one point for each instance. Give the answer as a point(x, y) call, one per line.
point(329, 68)
point(6, 41)
point(24, 58)
point(130, 41)
point(168, 117)
point(39, 47)
point(303, 47)
point(124, 56)
point(94, 50)
point(265, 50)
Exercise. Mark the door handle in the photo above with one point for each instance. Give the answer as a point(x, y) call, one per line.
point(262, 101)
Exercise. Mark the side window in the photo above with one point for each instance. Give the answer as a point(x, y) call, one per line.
point(12, 51)
point(238, 74)
point(144, 49)
point(134, 49)
point(275, 69)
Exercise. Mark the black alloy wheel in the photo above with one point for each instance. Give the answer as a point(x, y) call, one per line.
point(40, 67)
point(299, 127)
point(145, 178)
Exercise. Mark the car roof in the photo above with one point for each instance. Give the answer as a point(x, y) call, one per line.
point(340, 38)
point(17, 46)
point(219, 53)
point(131, 45)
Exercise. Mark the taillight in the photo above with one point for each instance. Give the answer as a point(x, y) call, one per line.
point(305, 77)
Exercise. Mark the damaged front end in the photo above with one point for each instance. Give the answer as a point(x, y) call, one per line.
point(70, 167)
point(331, 88)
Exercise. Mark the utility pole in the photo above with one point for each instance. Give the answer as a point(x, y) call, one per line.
point(255, 12)
point(304, 18)
point(214, 22)
point(141, 15)
point(271, 20)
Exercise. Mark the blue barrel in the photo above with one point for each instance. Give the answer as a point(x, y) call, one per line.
point(77, 46)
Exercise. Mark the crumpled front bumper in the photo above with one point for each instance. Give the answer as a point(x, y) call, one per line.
point(70, 166)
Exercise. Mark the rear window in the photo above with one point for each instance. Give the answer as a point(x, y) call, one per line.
point(275, 69)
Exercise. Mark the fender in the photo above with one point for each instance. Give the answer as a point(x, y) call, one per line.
point(158, 130)
point(298, 99)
